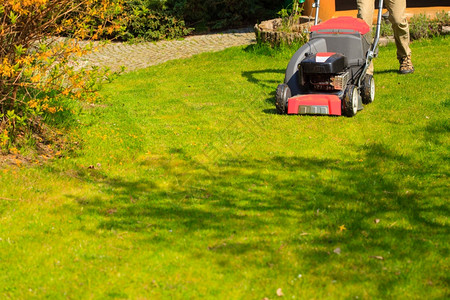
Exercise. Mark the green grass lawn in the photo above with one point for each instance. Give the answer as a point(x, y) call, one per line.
point(187, 185)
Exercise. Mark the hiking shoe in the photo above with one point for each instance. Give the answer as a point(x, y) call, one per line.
point(406, 66)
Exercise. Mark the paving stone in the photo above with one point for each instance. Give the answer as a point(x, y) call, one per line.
point(142, 55)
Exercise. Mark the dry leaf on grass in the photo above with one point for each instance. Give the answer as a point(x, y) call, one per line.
point(378, 257)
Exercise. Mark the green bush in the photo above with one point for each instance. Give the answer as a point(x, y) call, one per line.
point(422, 27)
point(149, 20)
point(219, 14)
point(170, 19)
point(39, 84)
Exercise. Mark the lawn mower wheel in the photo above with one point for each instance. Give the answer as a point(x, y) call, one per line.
point(351, 98)
point(368, 89)
point(283, 94)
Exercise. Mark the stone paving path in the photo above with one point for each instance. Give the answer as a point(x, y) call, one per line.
point(142, 55)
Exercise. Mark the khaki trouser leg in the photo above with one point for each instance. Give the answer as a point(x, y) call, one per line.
point(365, 11)
point(397, 17)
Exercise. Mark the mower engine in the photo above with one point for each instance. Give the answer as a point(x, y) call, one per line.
point(324, 72)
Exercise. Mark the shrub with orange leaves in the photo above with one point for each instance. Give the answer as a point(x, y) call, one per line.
point(37, 76)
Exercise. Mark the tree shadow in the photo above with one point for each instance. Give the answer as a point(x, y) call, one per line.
point(265, 83)
point(196, 182)
point(235, 197)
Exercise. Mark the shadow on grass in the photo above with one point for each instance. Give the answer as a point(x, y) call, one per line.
point(386, 72)
point(227, 183)
point(288, 196)
point(252, 76)
point(270, 111)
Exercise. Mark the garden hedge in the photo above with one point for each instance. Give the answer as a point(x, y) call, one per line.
point(219, 14)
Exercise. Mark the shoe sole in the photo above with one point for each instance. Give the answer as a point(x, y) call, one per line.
point(407, 72)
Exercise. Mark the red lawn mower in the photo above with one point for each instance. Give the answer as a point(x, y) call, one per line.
point(327, 75)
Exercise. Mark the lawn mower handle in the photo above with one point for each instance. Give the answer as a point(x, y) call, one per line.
point(371, 53)
point(316, 5)
point(377, 34)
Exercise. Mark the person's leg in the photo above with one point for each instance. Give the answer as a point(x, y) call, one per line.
point(365, 12)
point(397, 17)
